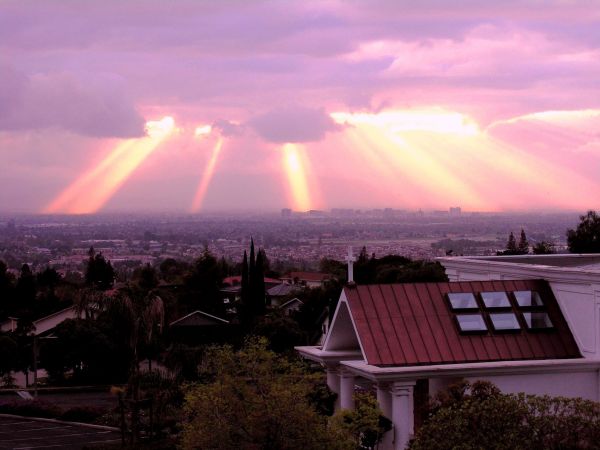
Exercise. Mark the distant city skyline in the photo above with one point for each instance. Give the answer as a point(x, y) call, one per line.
point(224, 106)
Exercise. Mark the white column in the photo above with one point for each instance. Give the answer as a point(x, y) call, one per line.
point(333, 382)
point(346, 389)
point(384, 399)
point(402, 413)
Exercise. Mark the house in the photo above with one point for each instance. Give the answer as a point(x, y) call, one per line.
point(308, 279)
point(527, 324)
point(278, 294)
point(44, 324)
point(199, 327)
point(291, 306)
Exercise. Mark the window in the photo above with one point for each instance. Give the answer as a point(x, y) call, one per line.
point(495, 299)
point(462, 301)
point(528, 299)
point(505, 321)
point(537, 320)
point(469, 323)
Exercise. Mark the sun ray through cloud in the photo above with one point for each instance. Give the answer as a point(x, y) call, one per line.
point(92, 190)
point(207, 176)
point(293, 162)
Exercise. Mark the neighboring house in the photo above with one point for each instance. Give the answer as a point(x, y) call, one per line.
point(308, 279)
point(291, 306)
point(199, 327)
point(232, 288)
point(43, 325)
point(279, 293)
point(526, 324)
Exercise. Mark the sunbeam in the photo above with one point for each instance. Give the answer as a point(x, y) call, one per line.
point(295, 169)
point(92, 190)
point(207, 176)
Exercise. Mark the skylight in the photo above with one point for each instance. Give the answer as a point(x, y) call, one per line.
point(537, 320)
point(505, 321)
point(495, 299)
point(471, 323)
point(462, 300)
point(528, 298)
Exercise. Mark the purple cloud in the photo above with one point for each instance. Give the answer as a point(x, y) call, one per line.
point(96, 107)
point(293, 124)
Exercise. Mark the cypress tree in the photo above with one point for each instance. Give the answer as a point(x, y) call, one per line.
point(259, 284)
point(245, 281)
point(511, 245)
point(252, 277)
point(523, 247)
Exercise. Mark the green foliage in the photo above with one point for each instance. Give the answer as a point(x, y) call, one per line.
point(86, 350)
point(8, 355)
point(99, 273)
point(203, 282)
point(586, 237)
point(396, 269)
point(543, 248)
point(512, 248)
point(253, 399)
point(523, 246)
point(282, 332)
point(479, 416)
point(362, 427)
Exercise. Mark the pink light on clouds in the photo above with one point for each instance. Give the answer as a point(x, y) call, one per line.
point(516, 82)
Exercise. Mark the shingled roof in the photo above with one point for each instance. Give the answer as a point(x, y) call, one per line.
point(415, 324)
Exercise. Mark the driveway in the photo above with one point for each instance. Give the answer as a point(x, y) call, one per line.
point(26, 433)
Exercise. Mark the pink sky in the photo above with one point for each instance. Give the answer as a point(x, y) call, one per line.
point(486, 105)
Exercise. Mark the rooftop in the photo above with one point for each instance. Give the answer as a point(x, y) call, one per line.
point(424, 324)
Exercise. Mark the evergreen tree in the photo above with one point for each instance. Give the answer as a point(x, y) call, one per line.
point(245, 285)
point(523, 247)
point(251, 278)
point(511, 245)
point(26, 291)
point(259, 285)
point(99, 273)
point(586, 238)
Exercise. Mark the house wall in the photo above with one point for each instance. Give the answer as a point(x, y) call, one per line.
point(574, 384)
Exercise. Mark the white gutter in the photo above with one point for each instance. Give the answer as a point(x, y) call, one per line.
point(396, 373)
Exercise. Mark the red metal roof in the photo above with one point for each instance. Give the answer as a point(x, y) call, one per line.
point(307, 276)
point(412, 324)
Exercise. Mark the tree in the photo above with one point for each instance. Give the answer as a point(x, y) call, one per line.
point(99, 272)
point(139, 317)
point(586, 237)
point(543, 248)
point(511, 245)
point(203, 281)
point(25, 292)
point(523, 247)
point(475, 416)
point(8, 358)
point(254, 399)
point(362, 427)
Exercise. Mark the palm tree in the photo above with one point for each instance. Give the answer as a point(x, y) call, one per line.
point(139, 316)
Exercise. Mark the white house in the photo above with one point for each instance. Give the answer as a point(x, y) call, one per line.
point(527, 324)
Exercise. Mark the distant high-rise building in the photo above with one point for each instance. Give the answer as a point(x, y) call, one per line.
point(286, 212)
point(455, 210)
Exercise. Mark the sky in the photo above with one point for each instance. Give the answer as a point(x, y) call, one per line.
point(200, 106)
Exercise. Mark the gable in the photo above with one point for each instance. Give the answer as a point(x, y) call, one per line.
point(342, 334)
point(198, 319)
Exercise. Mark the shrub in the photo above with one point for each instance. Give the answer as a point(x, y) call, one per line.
point(476, 416)
point(85, 414)
point(31, 408)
